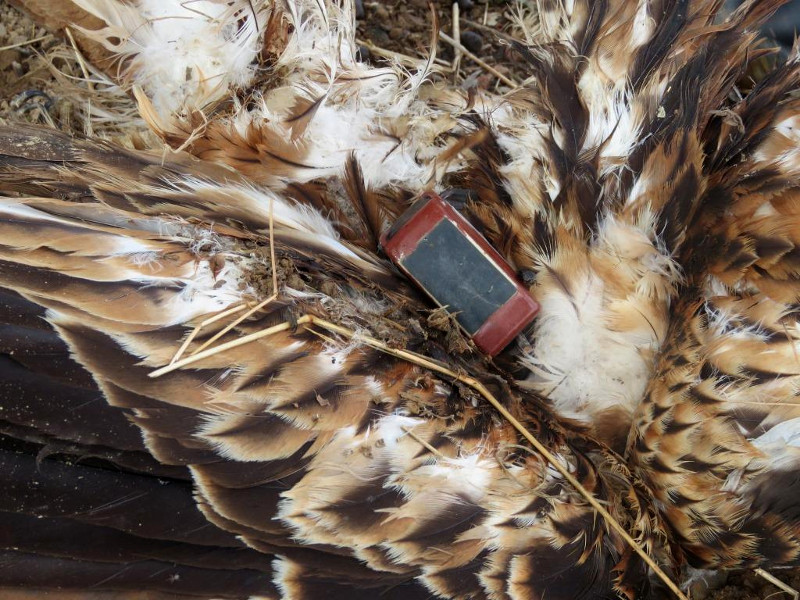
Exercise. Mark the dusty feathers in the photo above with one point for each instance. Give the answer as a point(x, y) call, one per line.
point(649, 205)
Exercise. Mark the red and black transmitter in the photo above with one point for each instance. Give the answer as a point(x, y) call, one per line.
point(438, 249)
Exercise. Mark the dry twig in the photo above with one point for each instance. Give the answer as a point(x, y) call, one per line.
point(233, 324)
point(79, 57)
point(456, 36)
point(778, 583)
point(405, 59)
point(422, 442)
point(490, 30)
point(200, 326)
point(25, 43)
point(509, 82)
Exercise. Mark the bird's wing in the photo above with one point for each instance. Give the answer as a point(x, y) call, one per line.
point(327, 465)
point(718, 435)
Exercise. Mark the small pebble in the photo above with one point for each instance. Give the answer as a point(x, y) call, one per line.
point(381, 13)
point(527, 276)
point(377, 35)
point(363, 54)
point(360, 9)
point(465, 4)
point(7, 57)
point(396, 33)
point(472, 41)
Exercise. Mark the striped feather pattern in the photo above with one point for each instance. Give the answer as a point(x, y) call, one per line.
point(342, 463)
point(642, 186)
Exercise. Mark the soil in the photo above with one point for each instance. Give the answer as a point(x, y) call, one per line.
point(21, 68)
point(405, 27)
point(29, 92)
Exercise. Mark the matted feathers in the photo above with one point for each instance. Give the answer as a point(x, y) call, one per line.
point(311, 449)
point(272, 88)
point(648, 203)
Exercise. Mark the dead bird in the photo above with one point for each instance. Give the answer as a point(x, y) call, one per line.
point(626, 178)
point(323, 462)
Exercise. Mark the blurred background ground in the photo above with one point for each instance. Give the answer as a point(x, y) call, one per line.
point(19, 63)
point(41, 82)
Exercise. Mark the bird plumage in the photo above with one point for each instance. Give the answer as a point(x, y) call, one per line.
point(298, 440)
point(716, 435)
point(648, 206)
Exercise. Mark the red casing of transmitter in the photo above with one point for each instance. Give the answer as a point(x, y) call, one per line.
point(438, 249)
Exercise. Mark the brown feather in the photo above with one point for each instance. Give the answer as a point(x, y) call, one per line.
point(365, 202)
